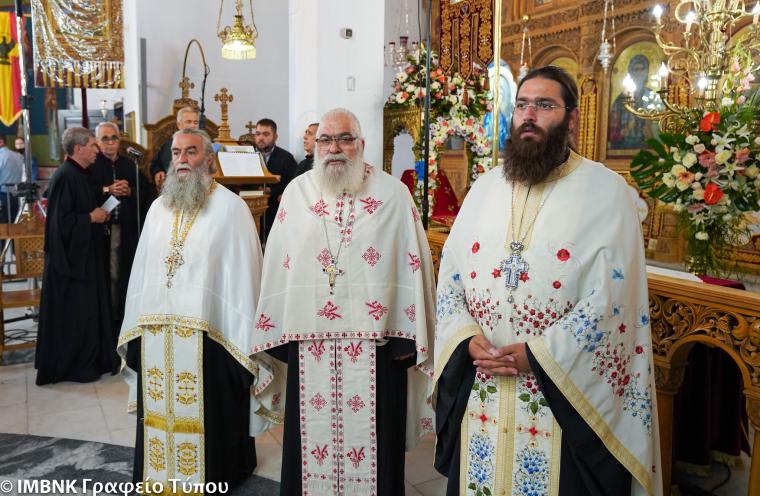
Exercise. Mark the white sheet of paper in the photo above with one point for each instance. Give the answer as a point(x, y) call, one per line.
point(241, 164)
point(239, 148)
point(111, 203)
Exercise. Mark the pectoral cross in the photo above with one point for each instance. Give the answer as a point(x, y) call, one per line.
point(332, 272)
point(513, 267)
point(173, 261)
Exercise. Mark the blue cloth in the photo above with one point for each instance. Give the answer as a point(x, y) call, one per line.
point(503, 128)
point(11, 167)
point(419, 168)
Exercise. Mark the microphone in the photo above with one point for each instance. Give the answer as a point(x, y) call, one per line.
point(134, 152)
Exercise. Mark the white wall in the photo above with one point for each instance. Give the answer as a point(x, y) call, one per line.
point(259, 86)
point(322, 61)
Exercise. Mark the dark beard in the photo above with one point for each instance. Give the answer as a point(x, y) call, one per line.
point(532, 161)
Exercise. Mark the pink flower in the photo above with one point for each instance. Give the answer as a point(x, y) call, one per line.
point(707, 159)
point(742, 155)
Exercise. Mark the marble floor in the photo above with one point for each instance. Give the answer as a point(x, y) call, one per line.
point(97, 412)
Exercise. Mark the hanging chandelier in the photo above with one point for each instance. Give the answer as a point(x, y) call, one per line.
point(238, 41)
point(396, 55)
point(526, 41)
point(607, 49)
point(691, 78)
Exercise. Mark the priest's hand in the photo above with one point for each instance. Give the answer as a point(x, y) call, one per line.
point(490, 360)
point(119, 188)
point(520, 355)
point(98, 216)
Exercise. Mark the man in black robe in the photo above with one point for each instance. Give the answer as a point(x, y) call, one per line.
point(116, 175)
point(75, 339)
point(280, 162)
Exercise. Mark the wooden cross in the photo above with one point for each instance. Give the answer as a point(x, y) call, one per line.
point(332, 272)
point(224, 98)
point(186, 86)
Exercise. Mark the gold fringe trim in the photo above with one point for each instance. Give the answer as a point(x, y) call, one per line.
point(182, 426)
point(589, 413)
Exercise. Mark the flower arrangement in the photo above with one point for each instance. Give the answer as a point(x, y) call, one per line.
point(709, 171)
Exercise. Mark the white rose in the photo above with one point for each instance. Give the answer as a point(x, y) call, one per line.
point(757, 140)
point(697, 176)
point(699, 148)
point(752, 171)
point(690, 159)
point(401, 76)
point(698, 194)
point(680, 208)
point(677, 155)
point(435, 85)
point(727, 218)
point(702, 236)
point(453, 98)
point(668, 179)
point(692, 139)
point(726, 102)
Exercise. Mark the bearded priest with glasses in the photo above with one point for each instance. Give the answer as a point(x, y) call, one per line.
point(544, 381)
point(345, 322)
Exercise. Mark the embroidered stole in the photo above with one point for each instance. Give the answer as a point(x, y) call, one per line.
point(337, 403)
point(172, 394)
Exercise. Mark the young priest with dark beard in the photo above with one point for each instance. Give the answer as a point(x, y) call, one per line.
point(543, 369)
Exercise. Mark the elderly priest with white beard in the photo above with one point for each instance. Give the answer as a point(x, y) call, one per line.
point(347, 303)
point(188, 324)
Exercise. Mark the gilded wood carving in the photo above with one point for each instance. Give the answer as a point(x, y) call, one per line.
point(395, 122)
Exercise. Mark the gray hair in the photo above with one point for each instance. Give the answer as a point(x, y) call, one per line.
point(105, 124)
point(208, 146)
point(186, 110)
point(356, 129)
point(75, 136)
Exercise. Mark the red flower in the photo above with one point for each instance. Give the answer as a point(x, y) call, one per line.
point(473, 274)
point(557, 284)
point(713, 194)
point(563, 255)
point(475, 247)
point(496, 273)
point(524, 277)
point(709, 122)
point(639, 349)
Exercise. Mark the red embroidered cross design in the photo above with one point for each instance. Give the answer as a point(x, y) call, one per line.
point(320, 208)
point(318, 402)
point(264, 323)
point(317, 348)
point(371, 205)
point(324, 258)
point(320, 454)
point(276, 399)
point(483, 418)
point(330, 311)
point(414, 262)
point(533, 430)
point(355, 403)
point(411, 312)
point(426, 423)
point(356, 457)
point(353, 350)
point(371, 256)
point(286, 263)
point(281, 215)
point(415, 215)
point(377, 310)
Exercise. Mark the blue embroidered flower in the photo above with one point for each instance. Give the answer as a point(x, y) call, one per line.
point(532, 478)
point(450, 301)
point(456, 277)
point(615, 310)
point(644, 319)
point(480, 472)
point(617, 274)
point(481, 447)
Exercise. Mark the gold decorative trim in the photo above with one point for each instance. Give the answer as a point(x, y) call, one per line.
point(449, 347)
point(395, 122)
point(554, 471)
point(179, 426)
point(267, 414)
point(506, 440)
point(589, 413)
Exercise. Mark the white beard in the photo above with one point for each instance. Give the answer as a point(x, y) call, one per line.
point(187, 192)
point(334, 179)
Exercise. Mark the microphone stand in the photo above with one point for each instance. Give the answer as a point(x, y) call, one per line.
point(135, 156)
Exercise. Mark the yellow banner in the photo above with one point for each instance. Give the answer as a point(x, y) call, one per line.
point(10, 77)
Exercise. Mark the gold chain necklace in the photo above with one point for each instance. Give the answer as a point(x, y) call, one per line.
point(515, 265)
point(174, 260)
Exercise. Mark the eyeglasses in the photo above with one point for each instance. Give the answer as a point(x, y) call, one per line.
point(109, 139)
point(541, 106)
point(343, 141)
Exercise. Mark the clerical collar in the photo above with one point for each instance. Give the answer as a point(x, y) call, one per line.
point(83, 169)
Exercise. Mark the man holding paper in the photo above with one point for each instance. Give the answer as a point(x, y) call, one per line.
point(75, 339)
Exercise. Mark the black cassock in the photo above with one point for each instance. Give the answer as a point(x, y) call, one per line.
point(104, 173)
point(587, 468)
point(230, 454)
point(390, 417)
point(75, 338)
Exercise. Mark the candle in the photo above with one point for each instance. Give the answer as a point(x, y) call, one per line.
point(756, 12)
point(657, 12)
point(663, 73)
point(690, 17)
point(629, 86)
